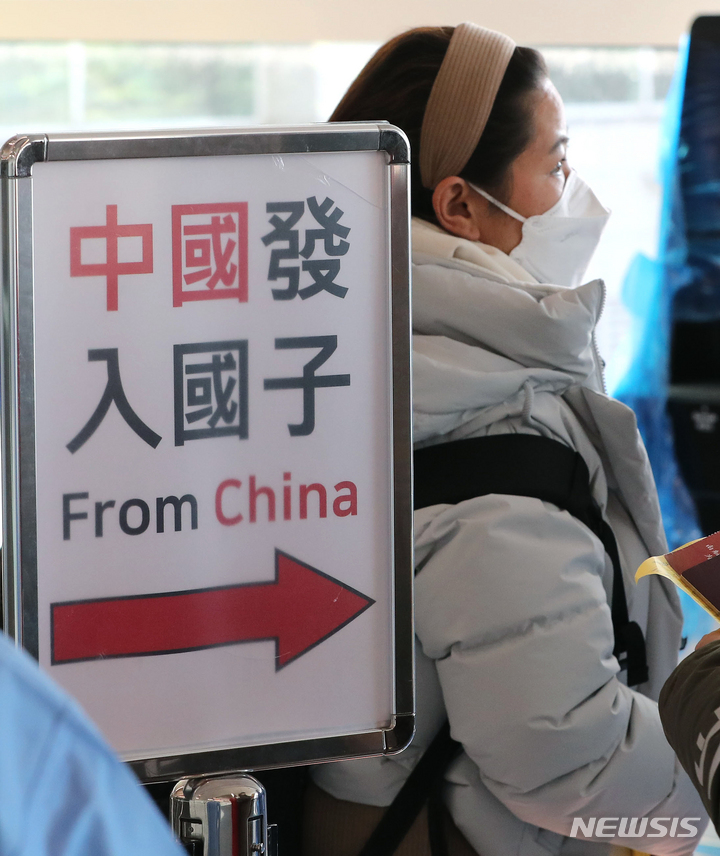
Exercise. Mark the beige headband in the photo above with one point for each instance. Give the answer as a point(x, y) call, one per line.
point(461, 100)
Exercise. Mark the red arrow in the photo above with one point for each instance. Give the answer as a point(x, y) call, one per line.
point(299, 610)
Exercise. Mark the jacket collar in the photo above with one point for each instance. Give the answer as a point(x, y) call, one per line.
point(477, 295)
point(430, 240)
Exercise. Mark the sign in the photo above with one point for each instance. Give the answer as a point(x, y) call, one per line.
point(210, 505)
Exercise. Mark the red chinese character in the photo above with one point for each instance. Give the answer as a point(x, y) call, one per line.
point(210, 244)
point(111, 268)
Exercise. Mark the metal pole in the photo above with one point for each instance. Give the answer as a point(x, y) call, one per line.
point(222, 816)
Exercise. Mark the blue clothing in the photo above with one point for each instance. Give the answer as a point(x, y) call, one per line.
point(64, 791)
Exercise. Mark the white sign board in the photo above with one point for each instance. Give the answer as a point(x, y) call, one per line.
point(215, 444)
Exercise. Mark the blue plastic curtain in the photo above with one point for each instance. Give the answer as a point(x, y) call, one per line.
point(649, 292)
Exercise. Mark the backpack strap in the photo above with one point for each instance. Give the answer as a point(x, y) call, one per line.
point(400, 816)
point(530, 465)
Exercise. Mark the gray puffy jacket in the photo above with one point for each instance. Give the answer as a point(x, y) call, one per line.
point(514, 634)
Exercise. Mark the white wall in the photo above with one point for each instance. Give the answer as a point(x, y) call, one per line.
point(546, 22)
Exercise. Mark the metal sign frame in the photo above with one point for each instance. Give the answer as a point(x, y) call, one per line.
point(20, 581)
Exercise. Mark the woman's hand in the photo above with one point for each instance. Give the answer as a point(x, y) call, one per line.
point(708, 638)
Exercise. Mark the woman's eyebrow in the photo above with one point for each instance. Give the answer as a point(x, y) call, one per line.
point(561, 141)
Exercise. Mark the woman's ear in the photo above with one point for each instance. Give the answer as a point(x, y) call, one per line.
point(458, 208)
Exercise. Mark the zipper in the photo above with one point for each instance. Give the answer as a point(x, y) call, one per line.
point(599, 364)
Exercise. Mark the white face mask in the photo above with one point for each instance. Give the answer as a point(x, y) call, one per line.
point(556, 247)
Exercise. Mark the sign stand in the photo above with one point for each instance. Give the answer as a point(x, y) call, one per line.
point(224, 816)
point(207, 439)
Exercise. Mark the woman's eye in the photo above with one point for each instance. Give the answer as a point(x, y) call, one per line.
point(559, 167)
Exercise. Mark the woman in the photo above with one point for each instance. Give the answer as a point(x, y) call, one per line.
point(513, 593)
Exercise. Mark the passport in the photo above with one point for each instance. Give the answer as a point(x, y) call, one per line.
point(694, 568)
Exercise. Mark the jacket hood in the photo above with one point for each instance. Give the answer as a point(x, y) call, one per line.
point(534, 325)
point(486, 334)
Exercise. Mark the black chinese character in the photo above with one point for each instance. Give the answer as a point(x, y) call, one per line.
point(212, 392)
point(309, 381)
point(113, 392)
point(331, 234)
point(324, 271)
point(283, 231)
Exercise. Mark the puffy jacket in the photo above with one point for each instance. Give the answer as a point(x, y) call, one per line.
point(64, 792)
point(514, 633)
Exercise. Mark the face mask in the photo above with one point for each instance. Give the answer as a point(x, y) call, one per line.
point(556, 247)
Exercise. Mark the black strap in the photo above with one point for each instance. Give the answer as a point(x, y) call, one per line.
point(400, 816)
point(528, 465)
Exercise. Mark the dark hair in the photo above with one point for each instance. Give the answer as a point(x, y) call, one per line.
point(395, 85)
